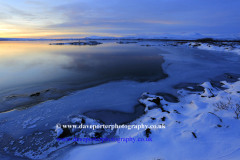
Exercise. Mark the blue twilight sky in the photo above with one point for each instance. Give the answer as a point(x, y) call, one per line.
point(80, 18)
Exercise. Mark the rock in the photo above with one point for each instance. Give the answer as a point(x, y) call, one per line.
point(35, 95)
point(147, 132)
point(155, 100)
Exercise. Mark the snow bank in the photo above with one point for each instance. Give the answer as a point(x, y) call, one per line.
point(233, 47)
point(39, 145)
point(218, 46)
point(189, 131)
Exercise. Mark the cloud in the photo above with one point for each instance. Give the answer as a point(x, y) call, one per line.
point(126, 16)
point(17, 12)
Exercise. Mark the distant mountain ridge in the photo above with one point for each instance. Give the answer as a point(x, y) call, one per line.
point(190, 36)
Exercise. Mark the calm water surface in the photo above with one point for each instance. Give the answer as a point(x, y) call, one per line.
point(25, 64)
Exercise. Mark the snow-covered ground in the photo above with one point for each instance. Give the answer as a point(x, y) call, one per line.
point(228, 47)
point(212, 46)
point(192, 127)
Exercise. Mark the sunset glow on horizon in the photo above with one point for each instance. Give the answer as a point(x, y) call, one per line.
point(82, 18)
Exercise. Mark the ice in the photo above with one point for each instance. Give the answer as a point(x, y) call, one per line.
point(31, 121)
point(11, 143)
point(21, 142)
point(182, 64)
point(5, 149)
point(202, 132)
point(33, 126)
point(218, 46)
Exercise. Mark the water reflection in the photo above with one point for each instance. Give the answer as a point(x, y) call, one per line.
point(31, 63)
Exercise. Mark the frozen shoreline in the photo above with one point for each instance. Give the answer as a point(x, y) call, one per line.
point(123, 100)
point(193, 129)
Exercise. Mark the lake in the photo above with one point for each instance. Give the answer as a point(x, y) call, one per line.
point(28, 67)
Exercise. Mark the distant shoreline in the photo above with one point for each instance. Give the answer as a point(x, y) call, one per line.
point(207, 39)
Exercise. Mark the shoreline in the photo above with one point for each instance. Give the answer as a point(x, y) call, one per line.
point(127, 91)
point(207, 125)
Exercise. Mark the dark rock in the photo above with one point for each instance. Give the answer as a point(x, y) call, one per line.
point(163, 110)
point(185, 86)
point(91, 43)
point(83, 121)
point(97, 135)
point(229, 77)
point(12, 96)
point(168, 97)
point(205, 40)
point(163, 118)
point(175, 111)
point(147, 132)
point(121, 42)
point(35, 95)
point(155, 100)
point(66, 133)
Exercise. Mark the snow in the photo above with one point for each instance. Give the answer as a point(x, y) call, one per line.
point(33, 126)
point(227, 47)
point(193, 132)
point(77, 120)
point(190, 115)
point(58, 130)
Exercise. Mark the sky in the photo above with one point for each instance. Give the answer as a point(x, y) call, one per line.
point(116, 18)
